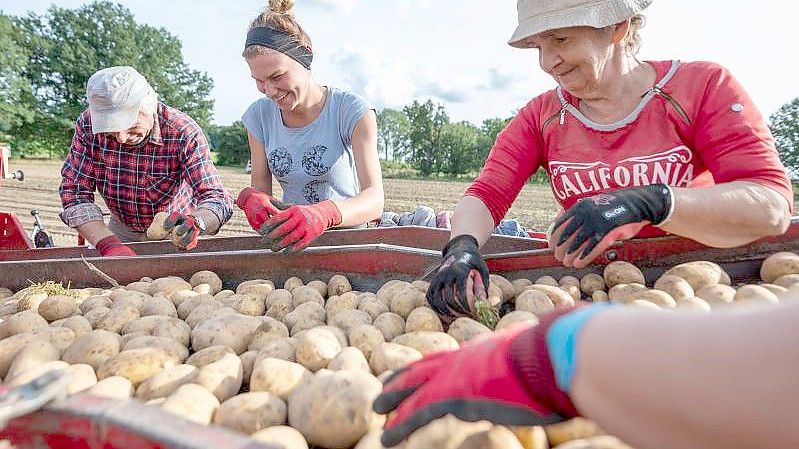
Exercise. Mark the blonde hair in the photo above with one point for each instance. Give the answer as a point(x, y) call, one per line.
point(279, 15)
point(632, 41)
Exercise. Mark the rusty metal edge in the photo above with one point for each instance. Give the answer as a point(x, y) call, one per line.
point(93, 422)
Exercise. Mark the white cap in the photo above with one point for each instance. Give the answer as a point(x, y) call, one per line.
point(115, 95)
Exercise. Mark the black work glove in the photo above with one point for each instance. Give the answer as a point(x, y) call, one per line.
point(462, 275)
point(593, 224)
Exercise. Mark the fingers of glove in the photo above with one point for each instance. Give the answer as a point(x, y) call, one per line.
point(174, 219)
point(289, 240)
point(301, 244)
point(583, 235)
point(567, 229)
point(456, 307)
point(563, 218)
point(286, 218)
point(279, 204)
point(404, 382)
point(623, 232)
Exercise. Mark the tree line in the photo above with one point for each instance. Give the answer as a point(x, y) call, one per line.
point(46, 60)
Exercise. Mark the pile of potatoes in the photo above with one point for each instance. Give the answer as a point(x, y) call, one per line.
point(299, 366)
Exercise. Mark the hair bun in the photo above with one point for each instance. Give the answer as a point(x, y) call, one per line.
point(282, 7)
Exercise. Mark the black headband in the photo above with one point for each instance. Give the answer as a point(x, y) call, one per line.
point(282, 42)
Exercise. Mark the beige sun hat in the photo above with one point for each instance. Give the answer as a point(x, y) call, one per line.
point(115, 95)
point(537, 16)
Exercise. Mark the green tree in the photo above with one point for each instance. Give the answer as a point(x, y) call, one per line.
point(458, 147)
point(785, 127)
point(392, 133)
point(16, 99)
point(488, 135)
point(231, 143)
point(68, 45)
point(427, 121)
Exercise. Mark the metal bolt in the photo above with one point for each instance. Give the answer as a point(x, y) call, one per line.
point(612, 255)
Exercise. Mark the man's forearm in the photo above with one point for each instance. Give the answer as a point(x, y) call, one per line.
point(94, 231)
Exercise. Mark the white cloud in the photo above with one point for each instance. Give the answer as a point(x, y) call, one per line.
point(384, 84)
point(342, 6)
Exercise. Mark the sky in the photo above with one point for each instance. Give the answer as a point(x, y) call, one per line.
point(455, 52)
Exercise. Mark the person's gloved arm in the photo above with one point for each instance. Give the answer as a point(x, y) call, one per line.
point(113, 246)
point(296, 226)
point(591, 225)
point(257, 206)
point(184, 230)
point(520, 376)
point(462, 276)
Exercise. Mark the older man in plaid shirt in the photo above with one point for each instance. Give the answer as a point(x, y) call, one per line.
point(143, 157)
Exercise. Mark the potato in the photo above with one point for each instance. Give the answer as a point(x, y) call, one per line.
point(306, 311)
point(316, 348)
point(319, 286)
point(279, 377)
point(392, 356)
point(60, 337)
point(338, 284)
point(698, 273)
point(168, 285)
point(30, 356)
point(162, 384)
point(426, 341)
point(284, 349)
point(156, 230)
point(173, 328)
point(347, 319)
point(138, 286)
point(207, 311)
point(336, 304)
point(547, 280)
point(178, 352)
point(349, 358)
point(36, 371)
point(258, 287)
point(508, 291)
point(341, 397)
point(599, 296)
point(596, 442)
point(405, 300)
point(5, 292)
point(137, 365)
point(716, 294)
point(27, 321)
point(207, 277)
point(573, 429)
point(569, 280)
point(190, 305)
point(693, 304)
point(92, 348)
point(294, 282)
point(339, 333)
point(787, 280)
point(251, 412)
point(94, 302)
point(114, 387)
point(517, 316)
point(208, 355)
point(9, 308)
point(81, 378)
point(371, 305)
point(371, 440)
point(29, 298)
point(592, 282)
point(774, 288)
point(281, 437)
point(519, 285)
point(643, 304)
point(423, 319)
point(9, 347)
point(620, 292)
point(779, 264)
point(115, 319)
point(464, 329)
point(366, 338)
point(233, 331)
point(279, 295)
point(222, 377)
point(192, 402)
point(444, 433)
point(534, 301)
point(622, 272)
point(390, 324)
point(200, 288)
point(130, 298)
point(658, 297)
point(304, 293)
point(497, 437)
point(57, 307)
point(77, 324)
point(754, 294)
point(573, 290)
point(531, 437)
point(675, 286)
point(271, 329)
point(246, 304)
point(422, 286)
point(558, 296)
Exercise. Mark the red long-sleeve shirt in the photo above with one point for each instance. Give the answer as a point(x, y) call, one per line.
point(696, 127)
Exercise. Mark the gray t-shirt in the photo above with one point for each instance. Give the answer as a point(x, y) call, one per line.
point(315, 162)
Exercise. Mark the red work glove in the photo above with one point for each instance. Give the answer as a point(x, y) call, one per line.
point(113, 246)
point(184, 230)
point(294, 228)
point(257, 206)
point(591, 225)
point(505, 377)
point(460, 280)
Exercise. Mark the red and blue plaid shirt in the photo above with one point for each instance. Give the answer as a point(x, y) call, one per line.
point(172, 171)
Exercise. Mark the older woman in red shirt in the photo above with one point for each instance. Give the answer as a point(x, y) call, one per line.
point(632, 148)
